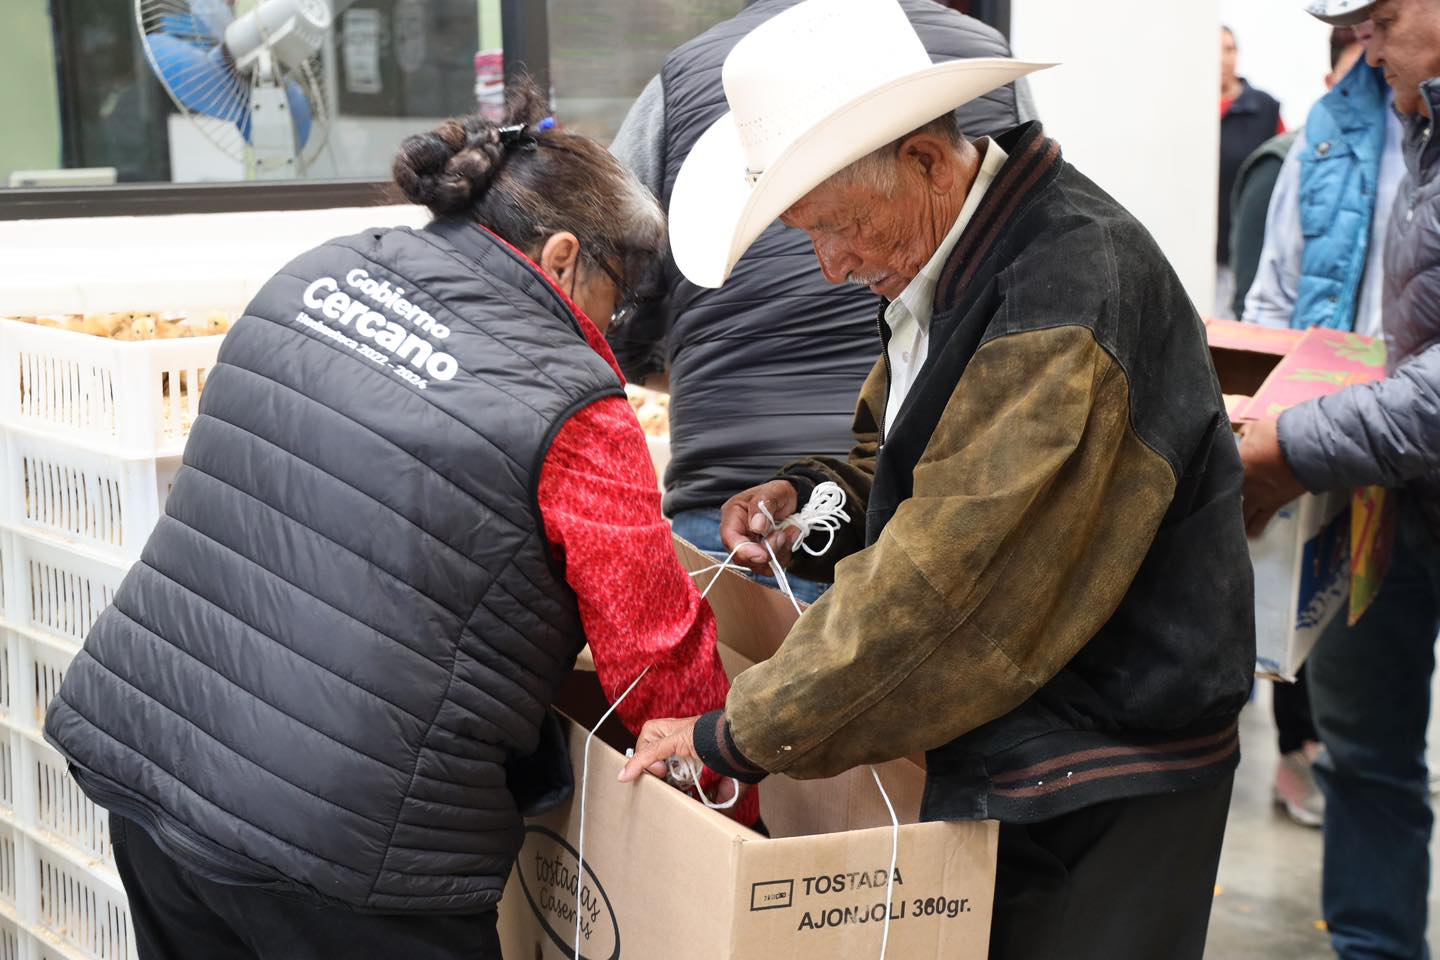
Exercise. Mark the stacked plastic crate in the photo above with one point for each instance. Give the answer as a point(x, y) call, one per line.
point(92, 431)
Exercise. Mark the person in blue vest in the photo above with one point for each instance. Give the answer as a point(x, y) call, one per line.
point(1322, 264)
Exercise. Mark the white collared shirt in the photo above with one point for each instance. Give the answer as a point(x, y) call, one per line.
point(908, 315)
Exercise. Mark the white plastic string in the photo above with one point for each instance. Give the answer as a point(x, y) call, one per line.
point(719, 569)
point(894, 861)
point(584, 783)
point(825, 510)
point(835, 509)
point(686, 773)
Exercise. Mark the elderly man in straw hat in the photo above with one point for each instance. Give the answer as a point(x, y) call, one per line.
point(1044, 583)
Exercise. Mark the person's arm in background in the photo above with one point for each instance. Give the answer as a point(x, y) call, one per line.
point(1384, 433)
point(639, 145)
point(1270, 300)
point(601, 508)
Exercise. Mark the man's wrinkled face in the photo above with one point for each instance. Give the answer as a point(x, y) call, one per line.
point(1405, 43)
point(862, 235)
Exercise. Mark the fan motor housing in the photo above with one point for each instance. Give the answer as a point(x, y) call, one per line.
point(292, 31)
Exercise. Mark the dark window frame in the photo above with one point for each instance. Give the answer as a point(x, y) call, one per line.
point(525, 33)
point(159, 199)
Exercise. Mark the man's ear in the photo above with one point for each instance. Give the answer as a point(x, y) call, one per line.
point(560, 257)
point(935, 158)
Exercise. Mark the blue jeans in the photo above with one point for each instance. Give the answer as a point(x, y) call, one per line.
point(702, 528)
point(1370, 693)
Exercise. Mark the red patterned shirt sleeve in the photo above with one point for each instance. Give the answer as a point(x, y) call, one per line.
point(600, 503)
point(601, 507)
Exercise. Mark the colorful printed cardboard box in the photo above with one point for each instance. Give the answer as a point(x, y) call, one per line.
point(1318, 550)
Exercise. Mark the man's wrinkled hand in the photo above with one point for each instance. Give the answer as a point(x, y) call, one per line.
point(743, 525)
point(660, 740)
point(1269, 481)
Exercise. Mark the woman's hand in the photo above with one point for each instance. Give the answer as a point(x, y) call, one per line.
point(743, 525)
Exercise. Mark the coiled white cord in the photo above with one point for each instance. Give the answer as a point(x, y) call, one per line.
point(825, 510)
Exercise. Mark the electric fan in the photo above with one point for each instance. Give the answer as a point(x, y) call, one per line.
point(248, 73)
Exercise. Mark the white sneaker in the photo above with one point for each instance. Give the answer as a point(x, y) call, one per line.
point(1296, 789)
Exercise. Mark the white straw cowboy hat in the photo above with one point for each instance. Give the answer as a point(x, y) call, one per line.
point(811, 90)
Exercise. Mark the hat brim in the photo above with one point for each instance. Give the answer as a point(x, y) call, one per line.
point(715, 214)
point(1350, 18)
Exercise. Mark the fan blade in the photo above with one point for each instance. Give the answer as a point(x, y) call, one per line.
point(181, 26)
point(215, 15)
point(200, 79)
point(300, 111)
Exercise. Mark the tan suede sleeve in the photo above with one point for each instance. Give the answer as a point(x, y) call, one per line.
point(1033, 507)
point(854, 475)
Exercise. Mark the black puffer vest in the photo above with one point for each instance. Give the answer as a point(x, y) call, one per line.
point(767, 368)
point(349, 624)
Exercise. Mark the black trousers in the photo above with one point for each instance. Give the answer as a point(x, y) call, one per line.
point(1127, 880)
point(1291, 705)
point(178, 916)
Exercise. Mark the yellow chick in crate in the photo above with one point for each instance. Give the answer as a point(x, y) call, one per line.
point(142, 326)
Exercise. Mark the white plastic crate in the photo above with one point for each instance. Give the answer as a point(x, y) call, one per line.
point(9, 643)
point(79, 497)
point(53, 591)
point(9, 767)
point(9, 857)
point(6, 557)
point(62, 810)
point(42, 669)
point(10, 936)
point(130, 398)
point(83, 911)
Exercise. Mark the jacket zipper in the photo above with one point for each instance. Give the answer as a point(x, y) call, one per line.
point(121, 803)
point(884, 332)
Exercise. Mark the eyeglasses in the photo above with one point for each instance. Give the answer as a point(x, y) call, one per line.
point(630, 302)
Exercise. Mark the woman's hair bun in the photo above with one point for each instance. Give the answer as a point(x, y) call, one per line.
point(449, 169)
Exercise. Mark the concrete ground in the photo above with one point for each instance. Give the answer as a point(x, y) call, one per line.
point(1268, 907)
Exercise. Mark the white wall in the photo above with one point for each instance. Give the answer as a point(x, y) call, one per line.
point(1135, 105)
point(1283, 51)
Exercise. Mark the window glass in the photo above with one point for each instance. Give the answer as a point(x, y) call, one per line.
point(603, 54)
point(186, 91)
point(94, 92)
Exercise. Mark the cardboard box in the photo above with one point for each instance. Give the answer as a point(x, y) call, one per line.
point(666, 877)
point(1302, 579)
point(1319, 551)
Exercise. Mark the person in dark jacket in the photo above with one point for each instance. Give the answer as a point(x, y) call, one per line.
point(1248, 117)
point(768, 368)
point(318, 706)
point(1370, 684)
point(1043, 581)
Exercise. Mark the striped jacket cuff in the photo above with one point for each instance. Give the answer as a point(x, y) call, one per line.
point(717, 749)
